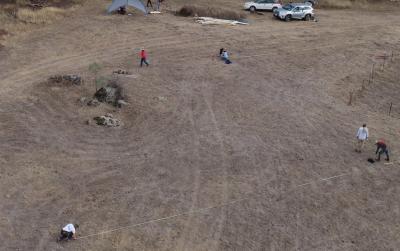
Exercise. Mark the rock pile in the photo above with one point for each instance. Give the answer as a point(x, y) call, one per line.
point(89, 102)
point(107, 120)
point(112, 94)
point(66, 79)
point(121, 72)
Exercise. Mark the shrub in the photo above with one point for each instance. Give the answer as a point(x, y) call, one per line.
point(191, 11)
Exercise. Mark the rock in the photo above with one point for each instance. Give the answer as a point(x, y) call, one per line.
point(161, 98)
point(93, 102)
point(109, 115)
point(110, 94)
point(122, 103)
point(88, 122)
point(107, 121)
point(83, 100)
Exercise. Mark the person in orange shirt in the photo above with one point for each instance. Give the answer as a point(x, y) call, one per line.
point(143, 58)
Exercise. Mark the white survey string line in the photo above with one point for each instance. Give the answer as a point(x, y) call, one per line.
point(201, 209)
point(325, 179)
point(162, 219)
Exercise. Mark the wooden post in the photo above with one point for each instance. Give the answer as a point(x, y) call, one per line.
point(372, 72)
point(390, 108)
point(369, 79)
point(391, 57)
point(384, 61)
point(350, 98)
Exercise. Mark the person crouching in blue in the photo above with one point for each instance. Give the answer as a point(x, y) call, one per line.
point(224, 56)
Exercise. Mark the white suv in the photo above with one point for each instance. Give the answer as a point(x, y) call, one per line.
point(295, 11)
point(263, 5)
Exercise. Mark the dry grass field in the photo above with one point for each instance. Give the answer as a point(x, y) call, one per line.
point(256, 155)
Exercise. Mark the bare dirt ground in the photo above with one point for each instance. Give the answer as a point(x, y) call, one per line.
point(257, 155)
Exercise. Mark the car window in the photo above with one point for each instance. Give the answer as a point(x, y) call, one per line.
point(288, 7)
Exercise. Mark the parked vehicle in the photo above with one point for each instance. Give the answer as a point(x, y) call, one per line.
point(262, 5)
point(295, 11)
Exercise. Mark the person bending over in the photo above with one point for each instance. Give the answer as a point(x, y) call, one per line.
point(68, 232)
point(381, 148)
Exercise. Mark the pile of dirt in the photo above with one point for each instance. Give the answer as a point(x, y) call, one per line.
point(193, 11)
point(112, 93)
point(65, 80)
point(107, 120)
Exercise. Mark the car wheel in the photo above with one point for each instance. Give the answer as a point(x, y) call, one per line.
point(252, 9)
point(307, 17)
point(288, 18)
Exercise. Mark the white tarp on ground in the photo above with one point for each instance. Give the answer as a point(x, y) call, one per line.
point(116, 4)
point(210, 20)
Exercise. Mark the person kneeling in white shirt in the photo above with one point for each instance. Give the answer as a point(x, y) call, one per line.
point(68, 232)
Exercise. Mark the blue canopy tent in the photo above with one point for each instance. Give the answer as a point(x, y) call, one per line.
point(116, 4)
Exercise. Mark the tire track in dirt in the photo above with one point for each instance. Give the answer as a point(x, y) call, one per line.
point(68, 64)
point(104, 52)
point(155, 138)
point(196, 180)
point(25, 75)
point(191, 229)
point(207, 96)
point(118, 46)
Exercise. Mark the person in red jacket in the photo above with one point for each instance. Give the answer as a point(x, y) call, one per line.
point(143, 56)
point(381, 148)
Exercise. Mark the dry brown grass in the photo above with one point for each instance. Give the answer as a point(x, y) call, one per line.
point(345, 4)
point(335, 4)
point(18, 16)
point(192, 10)
point(41, 16)
point(47, 3)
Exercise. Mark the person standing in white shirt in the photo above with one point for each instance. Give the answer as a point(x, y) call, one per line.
point(68, 232)
point(362, 136)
